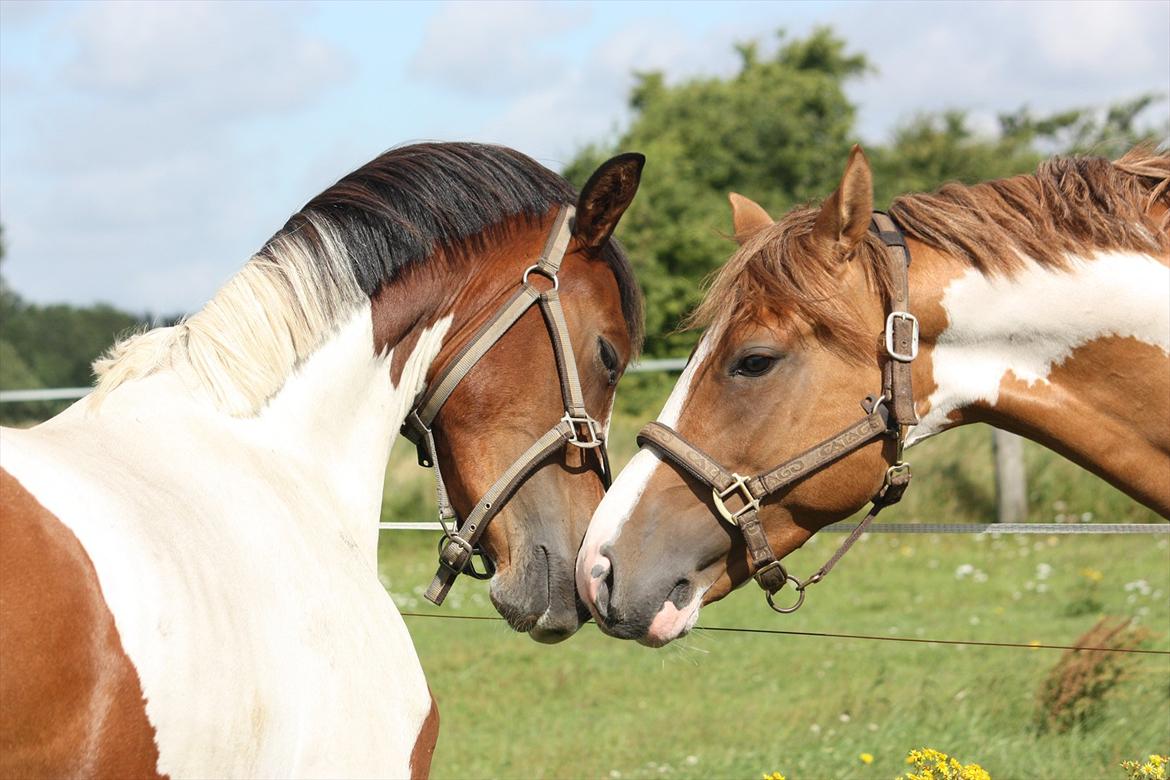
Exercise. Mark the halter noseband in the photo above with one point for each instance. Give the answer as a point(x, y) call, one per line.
point(459, 545)
point(888, 414)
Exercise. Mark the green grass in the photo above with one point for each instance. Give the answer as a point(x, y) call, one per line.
point(738, 705)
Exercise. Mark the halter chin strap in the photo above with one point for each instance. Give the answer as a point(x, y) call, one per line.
point(459, 544)
point(887, 415)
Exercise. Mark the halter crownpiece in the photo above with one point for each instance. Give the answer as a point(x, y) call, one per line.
point(888, 414)
point(458, 546)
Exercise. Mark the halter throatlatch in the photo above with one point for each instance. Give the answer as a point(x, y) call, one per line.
point(459, 545)
point(737, 498)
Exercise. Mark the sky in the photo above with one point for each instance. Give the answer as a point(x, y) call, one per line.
point(147, 149)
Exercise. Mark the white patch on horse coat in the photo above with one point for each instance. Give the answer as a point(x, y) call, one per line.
point(238, 557)
point(1032, 321)
point(619, 501)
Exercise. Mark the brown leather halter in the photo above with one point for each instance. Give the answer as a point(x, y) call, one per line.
point(459, 544)
point(889, 414)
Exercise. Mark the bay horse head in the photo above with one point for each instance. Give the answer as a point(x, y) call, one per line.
point(821, 352)
point(504, 314)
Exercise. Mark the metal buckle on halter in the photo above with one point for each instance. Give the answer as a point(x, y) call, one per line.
point(892, 486)
point(465, 564)
point(739, 485)
point(552, 277)
point(902, 357)
point(590, 427)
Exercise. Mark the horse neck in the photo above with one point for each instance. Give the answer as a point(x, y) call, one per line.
point(1077, 359)
point(337, 417)
point(328, 430)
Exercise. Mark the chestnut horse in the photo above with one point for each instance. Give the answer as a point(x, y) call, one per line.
point(188, 556)
point(1042, 306)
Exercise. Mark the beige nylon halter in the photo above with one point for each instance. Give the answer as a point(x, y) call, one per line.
point(459, 543)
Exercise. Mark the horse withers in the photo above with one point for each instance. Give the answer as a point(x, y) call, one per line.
point(836, 337)
point(188, 573)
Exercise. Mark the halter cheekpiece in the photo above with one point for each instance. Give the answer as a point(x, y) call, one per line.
point(459, 545)
point(737, 498)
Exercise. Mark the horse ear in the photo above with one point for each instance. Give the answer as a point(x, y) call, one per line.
point(845, 216)
point(605, 197)
point(747, 217)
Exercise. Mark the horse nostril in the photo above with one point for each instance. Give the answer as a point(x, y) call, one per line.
point(602, 600)
point(680, 594)
point(602, 574)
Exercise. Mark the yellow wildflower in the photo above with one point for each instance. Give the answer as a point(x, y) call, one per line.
point(1092, 575)
point(866, 758)
point(1153, 769)
point(774, 776)
point(935, 765)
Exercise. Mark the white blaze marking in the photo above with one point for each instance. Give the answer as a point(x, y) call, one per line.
point(623, 496)
point(1031, 322)
point(236, 557)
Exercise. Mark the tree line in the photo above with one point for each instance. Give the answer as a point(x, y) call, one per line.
point(778, 130)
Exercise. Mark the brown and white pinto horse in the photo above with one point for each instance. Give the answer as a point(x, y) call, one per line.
point(1044, 303)
point(188, 574)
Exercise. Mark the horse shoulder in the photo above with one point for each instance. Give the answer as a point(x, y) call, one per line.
point(72, 702)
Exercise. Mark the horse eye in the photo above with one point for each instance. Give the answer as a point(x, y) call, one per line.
point(609, 359)
point(753, 365)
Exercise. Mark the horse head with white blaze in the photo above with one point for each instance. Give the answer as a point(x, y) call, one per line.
point(837, 337)
point(188, 556)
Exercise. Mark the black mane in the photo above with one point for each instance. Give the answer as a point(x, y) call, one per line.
point(409, 202)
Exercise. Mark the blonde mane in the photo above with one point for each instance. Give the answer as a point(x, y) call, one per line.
point(1070, 206)
point(247, 340)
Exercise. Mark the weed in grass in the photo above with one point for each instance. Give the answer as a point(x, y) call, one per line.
point(1085, 600)
point(1074, 692)
point(1153, 769)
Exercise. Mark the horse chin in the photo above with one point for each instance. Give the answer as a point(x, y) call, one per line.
point(536, 603)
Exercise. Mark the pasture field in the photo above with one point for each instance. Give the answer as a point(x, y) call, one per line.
point(738, 705)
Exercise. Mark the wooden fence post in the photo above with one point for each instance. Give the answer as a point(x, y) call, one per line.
point(1011, 485)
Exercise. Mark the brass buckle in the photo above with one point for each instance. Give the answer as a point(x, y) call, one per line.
point(897, 470)
point(739, 485)
point(591, 428)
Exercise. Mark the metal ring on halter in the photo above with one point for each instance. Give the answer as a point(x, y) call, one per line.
point(543, 272)
point(798, 585)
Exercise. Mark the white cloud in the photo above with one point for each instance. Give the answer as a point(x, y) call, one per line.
point(995, 57)
point(495, 48)
point(208, 58)
point(588, 100)
point(135, 178)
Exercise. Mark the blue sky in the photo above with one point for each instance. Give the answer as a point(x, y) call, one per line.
point(147, 149)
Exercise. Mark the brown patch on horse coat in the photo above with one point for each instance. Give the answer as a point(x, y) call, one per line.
point(1077, 414)
point(424, 744)
point(71, 703)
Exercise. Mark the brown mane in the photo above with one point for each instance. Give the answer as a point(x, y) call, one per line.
point(1070, 206)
